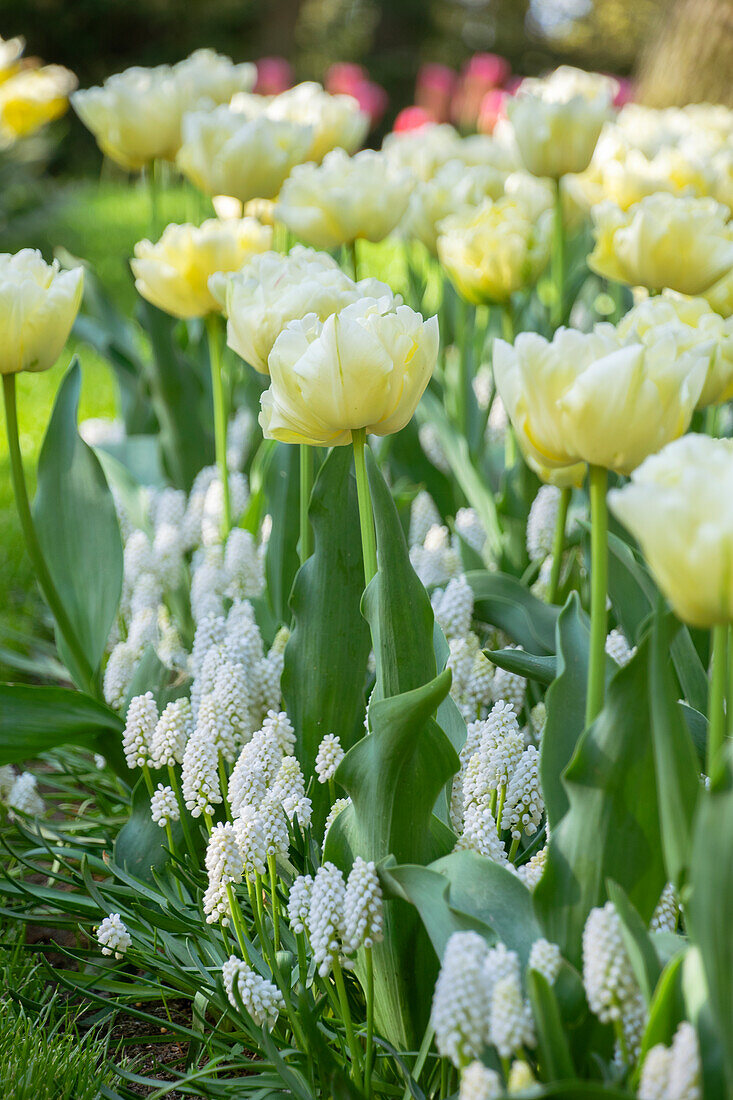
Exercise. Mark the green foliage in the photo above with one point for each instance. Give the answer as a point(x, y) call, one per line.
point(326, 655)
point(77, 528)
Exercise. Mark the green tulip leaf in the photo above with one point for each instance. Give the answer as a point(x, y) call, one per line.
point(326, 656)
point(557, 1063)
point(78, 530)
point(504, 602)
point(282, 494)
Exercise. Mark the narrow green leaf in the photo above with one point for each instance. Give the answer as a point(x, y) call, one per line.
point(637, 942)
point(282, 494)
point(678, 783)
point(667, 1008)
point(77, 527)
point(555, 1059)
point(326, 656)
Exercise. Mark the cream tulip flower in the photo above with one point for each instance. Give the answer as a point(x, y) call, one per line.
point(422, 152)
point(38, 306)
point(557, 120)
point(274, 289)
point(494, 249)
point(590, 397)
point(365, 367)
point(174, 272)
point(226, 153)
point(344, 198)
point(452, 188)
point(695, 324)
point(136, 115)
point(677, 505)
point(684, 244)
point(337, 121)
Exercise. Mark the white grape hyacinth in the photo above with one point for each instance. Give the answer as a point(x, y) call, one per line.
point(23, 796)
point(142, 718)
point(541, 522)
point(511, 1027)
point(453, 607)
point(673, 1073)
point(363, 916)
point(608, 976)
point(200, 776)
point(329, 756)
point(171, 734)
point(545, 958)
point(478, 1082)
point(460, 1009)
point(326, 917)
point(164, 806)
point(225, 867)
point(618, 648)
point(299, 900)
point(113, 937)
point(258, 996)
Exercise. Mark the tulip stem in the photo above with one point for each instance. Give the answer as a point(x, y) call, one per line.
point(716, 698)
point(306, 485)
point(558, 259)
point(220, 419)
point(558, 544)
point(598, 478)
point(507, 323)
point(354, 260)
point(366, 516)
point(35, 553)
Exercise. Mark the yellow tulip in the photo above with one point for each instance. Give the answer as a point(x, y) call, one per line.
point(365, 367)
point(590, 397)
point(38, 306)
point(344, 198)
point(174, 272)
point(695, 325)
point(33, 98)
point(496, 248)
point(557, 120)
point(683, 244)
point(677, 505)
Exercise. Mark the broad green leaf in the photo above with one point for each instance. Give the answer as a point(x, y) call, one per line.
point(502, 601)
point(565, 702)
point(326, 655)
point(701, 1013)
point(611, 828)
point(678, 784)
point(36, 719)
point(394, 776)
point(395, 603)
point(450, 720)
point(697, 726)
point(638, 944)
point(541, 669)
point(710, 905)
point(77, 528)
point(181, 396)
point(141, 845)
point(282, 494)
point(557, 1063)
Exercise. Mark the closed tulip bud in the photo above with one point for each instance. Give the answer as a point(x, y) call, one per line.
point(365, 367)
point(591, 397)
point(136, 115)
point(174, 272)
point(695, 325)
point(38, 306)
point(272, 290)
point(226, 152)
point(344, 198)
point(677, 505)
point(683, 244)
point(557, 120)
point(494, 249)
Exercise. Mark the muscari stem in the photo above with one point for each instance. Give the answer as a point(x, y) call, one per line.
point(238, 922)
point(558, 545)
point(716, 698)
point(338, 977)
point(366, 517)
point(306, 485)
point(369, 994)
point(32, 545)
point(220, 418)
point(183, 812)
point(558, 258)
point(272, 869)
point(598, 478)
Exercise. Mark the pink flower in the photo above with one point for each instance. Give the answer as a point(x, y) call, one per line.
point(493, 107)
point(372, 98)
point(344, 76)
point(488, 69)
point(274, 75)
point(413, 118)
point(434, 88)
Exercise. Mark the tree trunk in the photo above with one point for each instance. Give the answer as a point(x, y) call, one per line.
point(690, 57)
